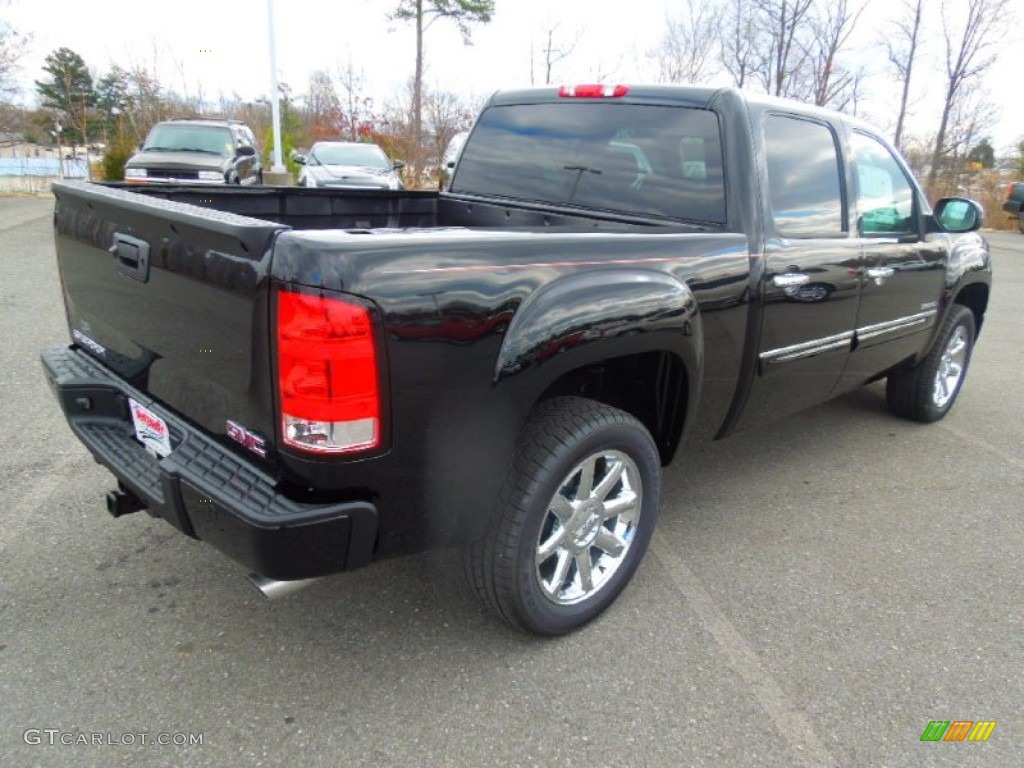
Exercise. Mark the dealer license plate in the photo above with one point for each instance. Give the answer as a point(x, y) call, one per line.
point(150, 429)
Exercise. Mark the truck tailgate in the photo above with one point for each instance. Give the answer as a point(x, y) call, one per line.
point(172, 298)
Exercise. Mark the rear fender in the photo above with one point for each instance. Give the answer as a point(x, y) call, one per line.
point(586, 318)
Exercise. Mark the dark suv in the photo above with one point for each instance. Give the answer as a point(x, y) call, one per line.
point(1014, 204)
point(196, 151)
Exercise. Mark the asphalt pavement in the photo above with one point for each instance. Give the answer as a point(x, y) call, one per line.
point(818, 592)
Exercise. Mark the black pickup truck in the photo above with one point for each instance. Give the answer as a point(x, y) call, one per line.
point(311, 380)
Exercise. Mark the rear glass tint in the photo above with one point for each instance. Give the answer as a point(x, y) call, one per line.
point(637, 159)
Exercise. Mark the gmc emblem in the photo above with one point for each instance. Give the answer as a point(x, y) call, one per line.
point(243, 436)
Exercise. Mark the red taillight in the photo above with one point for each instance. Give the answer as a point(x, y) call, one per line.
point(326, 374)
point(592, 91)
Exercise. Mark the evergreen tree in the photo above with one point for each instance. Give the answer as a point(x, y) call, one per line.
point(69, 91)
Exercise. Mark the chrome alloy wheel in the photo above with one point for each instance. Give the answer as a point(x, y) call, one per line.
point(951, 367)
point(589, 527)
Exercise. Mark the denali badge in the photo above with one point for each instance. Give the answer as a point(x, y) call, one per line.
point(241, 435)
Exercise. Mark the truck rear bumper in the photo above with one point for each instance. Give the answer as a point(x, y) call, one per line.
point(202, 488)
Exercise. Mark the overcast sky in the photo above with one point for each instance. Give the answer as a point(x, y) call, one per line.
point(221, 46)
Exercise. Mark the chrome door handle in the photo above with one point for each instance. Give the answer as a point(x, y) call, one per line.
point(880, 274)
point(790, 280)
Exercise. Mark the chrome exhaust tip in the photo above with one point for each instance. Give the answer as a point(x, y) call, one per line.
point(272, 589)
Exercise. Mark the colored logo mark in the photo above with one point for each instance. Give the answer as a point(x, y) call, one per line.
point(958, 730)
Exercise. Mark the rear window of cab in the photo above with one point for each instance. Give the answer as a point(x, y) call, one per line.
point(657, 161)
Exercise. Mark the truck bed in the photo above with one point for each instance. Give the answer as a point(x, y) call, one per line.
point(306, 208)
point(463, 306)
point(370, 209)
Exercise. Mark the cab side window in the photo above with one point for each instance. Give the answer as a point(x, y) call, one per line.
point(804, 178)
point(885, 198)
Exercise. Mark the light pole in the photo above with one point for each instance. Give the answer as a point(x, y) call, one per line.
point(277, 169)
point(60, 150)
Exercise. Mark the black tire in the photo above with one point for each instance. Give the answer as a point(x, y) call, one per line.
point(926, 391)
point(546, 499)
point(1020, 222)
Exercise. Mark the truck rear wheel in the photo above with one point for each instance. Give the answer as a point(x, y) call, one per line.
point(577, 512)
point(927, 391)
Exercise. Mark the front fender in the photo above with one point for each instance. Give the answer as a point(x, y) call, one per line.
point(969, 275)
point(969, 262)
point(586, 318)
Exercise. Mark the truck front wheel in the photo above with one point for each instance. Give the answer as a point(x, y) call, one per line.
point(928, 390)
point(577, 512)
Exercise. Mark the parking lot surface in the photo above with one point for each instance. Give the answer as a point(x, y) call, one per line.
point(817, 592)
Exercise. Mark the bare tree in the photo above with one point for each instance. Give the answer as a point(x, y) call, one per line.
point(603, 70)
point(255, 114)
point(686, 51)
point(446, 115)
point(148, 99)
point(356, 105)
point(229, 105)
point(151, 100)
point(396, 122)
point(739, 42)
point(902, 53)
point(555, 52)
point(12, 48)
point(918, 152)
point(323, 106)
point(973, 117)
point(195, 103)
point(781, 55)
point(968, 55)
point(834, 84)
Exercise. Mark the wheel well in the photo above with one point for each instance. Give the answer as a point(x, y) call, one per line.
point(975, 298)
point(651, 386)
